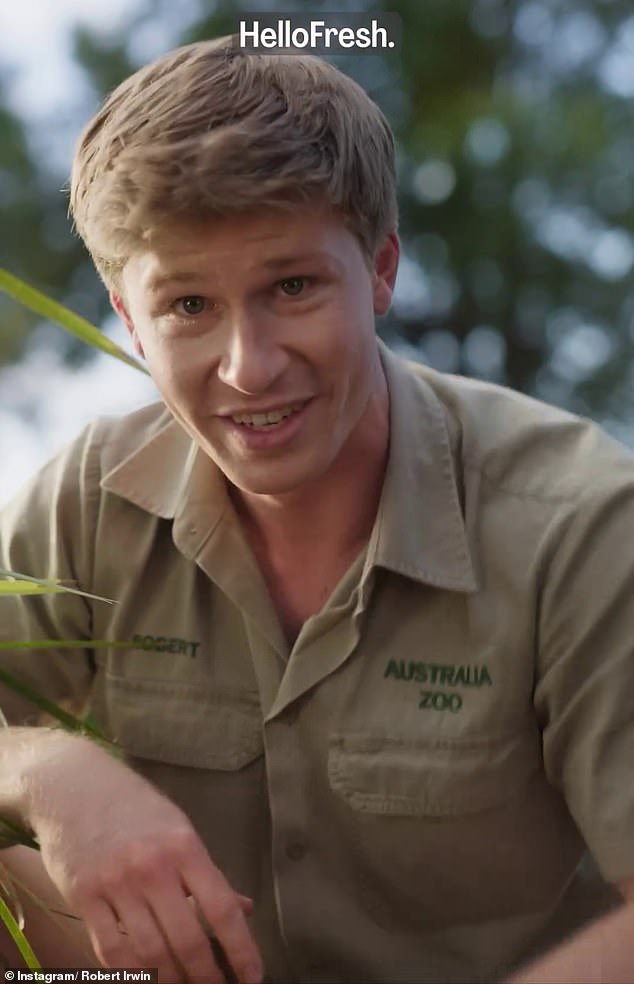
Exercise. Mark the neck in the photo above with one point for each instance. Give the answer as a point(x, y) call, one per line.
point(332, 516)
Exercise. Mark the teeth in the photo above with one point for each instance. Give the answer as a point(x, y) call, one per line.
point(265, 419)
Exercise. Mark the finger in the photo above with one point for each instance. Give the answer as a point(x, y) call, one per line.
point(221, 908)
point(147, 938)
point(113, 948)
point(184, 933)
point(246, 904)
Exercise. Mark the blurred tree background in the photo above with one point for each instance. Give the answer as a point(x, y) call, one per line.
point(515, 137)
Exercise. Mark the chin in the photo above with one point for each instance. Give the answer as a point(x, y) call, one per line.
point(267, 487)
point(274, 483)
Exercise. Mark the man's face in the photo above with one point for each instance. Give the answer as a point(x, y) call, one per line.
point(259, 333)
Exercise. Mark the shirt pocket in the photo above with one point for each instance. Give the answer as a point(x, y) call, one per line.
point(435, 777)
point(182, 723)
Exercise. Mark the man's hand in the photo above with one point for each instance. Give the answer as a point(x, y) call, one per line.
point(127, 860)
point(600, 953)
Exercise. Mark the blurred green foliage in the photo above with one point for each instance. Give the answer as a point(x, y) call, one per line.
point(514, 127)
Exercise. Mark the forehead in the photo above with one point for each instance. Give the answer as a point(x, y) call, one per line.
point(257, 241)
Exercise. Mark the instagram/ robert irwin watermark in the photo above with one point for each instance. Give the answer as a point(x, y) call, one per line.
point(337, 33)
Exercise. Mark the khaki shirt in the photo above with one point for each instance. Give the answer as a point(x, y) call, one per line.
point(408, 793)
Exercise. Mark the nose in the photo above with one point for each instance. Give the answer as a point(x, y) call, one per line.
point(252, 360)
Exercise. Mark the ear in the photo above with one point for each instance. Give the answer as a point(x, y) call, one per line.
point(384, 273)
point(117, 302)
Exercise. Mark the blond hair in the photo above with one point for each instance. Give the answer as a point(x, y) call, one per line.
point(210, 129)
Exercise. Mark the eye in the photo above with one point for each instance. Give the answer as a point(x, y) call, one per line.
point(191, 305)
point(293, 286)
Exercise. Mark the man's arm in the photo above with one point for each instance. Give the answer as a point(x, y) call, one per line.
point(584, 701)
point(601, 953)
point(124, 858)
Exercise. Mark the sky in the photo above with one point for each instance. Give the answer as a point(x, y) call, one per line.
point(35, 44)
point(43, 404)
point(44, 84)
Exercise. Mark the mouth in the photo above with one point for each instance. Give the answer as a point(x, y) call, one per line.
point(273, 430)
point(268, 420)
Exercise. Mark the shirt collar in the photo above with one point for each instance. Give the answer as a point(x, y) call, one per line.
point(419, 531)
point(157, 473)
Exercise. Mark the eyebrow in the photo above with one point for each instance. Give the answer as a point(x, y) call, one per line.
point(158, 280)
point(282, 261)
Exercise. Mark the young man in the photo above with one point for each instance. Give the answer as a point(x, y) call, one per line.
point(372, 652)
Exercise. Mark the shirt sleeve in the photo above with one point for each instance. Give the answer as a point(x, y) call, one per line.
point(47, 531)
point(584, 689)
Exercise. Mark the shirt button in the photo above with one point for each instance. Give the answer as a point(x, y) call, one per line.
point(296, 850)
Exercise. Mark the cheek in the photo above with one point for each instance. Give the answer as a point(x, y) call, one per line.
point(345, 326)
point(177, 367)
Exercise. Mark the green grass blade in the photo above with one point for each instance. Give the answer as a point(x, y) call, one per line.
point(26, 588)
point(18, 937)
point(45, 306)
point(69, 644)
point(55, 586)
point(68, 721)
point(51, 911)
point(90, 720)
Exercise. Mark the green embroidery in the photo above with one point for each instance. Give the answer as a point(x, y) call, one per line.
point(166, 644)
point(392, 670)
point(485, 678)
point(431, 700)
point(460, 679)
point(468, 675)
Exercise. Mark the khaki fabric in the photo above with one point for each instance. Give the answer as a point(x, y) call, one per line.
point(407, 794)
